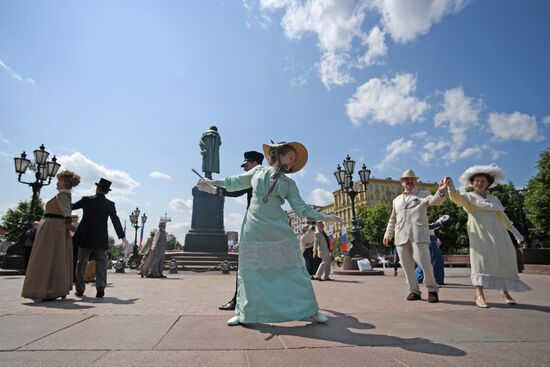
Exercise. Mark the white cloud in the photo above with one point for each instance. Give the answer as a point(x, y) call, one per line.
point(90, 172)
point(2, 138)
point(297, 81)
point(386, 100)
point(321, 197)
point(322, 178)
point(14, 74)
point(515, 126)
point(376, 46)
point(406, 20)
point(393, 150)
point(546, 120)
point(180, 205)
point(459, 113)
point(160, 175)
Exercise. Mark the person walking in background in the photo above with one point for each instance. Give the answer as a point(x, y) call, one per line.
point(92, 236)
point(50, 271)
point(492, 254)
point(321, 249)
point(395, 261)
point(307, 240)
point(274, 285)
point(409, 224)
point(157, 254)
point(145, 252)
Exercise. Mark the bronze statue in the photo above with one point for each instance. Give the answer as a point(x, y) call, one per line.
point(210, 151)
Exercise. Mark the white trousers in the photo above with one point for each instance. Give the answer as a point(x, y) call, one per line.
point(410, 254)
point(323, 271)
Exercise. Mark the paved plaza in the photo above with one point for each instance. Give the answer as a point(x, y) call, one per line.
point(176, 322)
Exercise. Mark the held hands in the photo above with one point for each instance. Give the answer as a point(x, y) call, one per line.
point(332, 218)
point(205, 185)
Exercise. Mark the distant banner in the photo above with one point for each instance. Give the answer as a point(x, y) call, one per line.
point(344, 241)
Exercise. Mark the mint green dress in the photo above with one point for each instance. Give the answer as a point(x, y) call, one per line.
point(273, 283)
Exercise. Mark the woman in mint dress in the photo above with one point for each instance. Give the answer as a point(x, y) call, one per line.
point(273, 283)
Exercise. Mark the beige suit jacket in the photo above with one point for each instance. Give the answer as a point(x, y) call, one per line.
point(409, 219)
point(321, 247)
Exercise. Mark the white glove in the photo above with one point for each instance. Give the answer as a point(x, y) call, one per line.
point(519, 237)
point(205, 185)
point(125, 241)
point(332, 218)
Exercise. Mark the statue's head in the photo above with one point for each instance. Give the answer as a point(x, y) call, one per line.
point(213, 128)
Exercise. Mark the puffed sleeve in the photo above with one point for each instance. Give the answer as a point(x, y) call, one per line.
point(461, 200)
point(300, 207)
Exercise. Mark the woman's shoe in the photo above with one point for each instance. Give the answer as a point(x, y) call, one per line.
point(508, 299)
point(234, 321)
point(480, 302)
point(319, 317)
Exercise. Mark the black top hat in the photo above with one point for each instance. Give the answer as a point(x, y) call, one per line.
point(104, 185)
point(253, 156)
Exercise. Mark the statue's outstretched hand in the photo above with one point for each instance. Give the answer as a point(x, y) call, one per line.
point(205, 185)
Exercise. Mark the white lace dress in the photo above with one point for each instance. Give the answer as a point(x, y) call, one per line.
point(492, 254)
point(273, 283)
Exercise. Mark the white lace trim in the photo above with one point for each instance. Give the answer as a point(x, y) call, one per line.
point(270, 255)
point(492, 282)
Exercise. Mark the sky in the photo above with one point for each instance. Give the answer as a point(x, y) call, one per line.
point(124, 89)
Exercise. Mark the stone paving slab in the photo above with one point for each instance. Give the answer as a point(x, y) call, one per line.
point(211, 332)
point(50, 359)
point(108, 333)
point(20, 330)
point(173, 358)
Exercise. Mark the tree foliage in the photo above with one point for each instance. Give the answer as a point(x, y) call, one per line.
point(373, 224)
point(537, 201)
point(15, 219)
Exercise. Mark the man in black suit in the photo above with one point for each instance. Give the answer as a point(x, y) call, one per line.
point(92, 237)
point(251, 160)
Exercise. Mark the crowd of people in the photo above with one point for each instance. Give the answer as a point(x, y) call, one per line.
point(273, 282)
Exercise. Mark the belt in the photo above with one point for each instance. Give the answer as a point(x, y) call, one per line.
point(56, 216)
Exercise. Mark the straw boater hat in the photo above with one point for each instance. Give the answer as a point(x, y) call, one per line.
point(408, 174)
point(301, 154)
point(492, 170)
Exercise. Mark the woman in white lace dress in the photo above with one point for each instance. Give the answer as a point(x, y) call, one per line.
point(273, 283)
point(492, 255)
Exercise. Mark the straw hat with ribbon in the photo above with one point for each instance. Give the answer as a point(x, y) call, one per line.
point(301, 154)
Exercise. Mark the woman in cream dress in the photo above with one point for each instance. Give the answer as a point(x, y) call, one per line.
point(50, 271)
point(492, 255)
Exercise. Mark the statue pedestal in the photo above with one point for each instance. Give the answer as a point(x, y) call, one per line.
point(207, 233)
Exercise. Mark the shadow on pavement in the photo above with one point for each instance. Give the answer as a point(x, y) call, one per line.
point(339, 328)
point(502, 306)
point(106, 299)
point(67, 304)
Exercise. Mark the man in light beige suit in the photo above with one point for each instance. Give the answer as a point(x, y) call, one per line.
point(321, 248)
point(409, 225)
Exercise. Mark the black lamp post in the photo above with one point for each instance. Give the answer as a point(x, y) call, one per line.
point(135, 258)
point(44, 172)
point(344, 177)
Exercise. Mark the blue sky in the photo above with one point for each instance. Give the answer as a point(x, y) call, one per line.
point(124, 89)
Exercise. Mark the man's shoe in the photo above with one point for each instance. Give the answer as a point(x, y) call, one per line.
point(79, 294)
point(229, 306)
point(413, 297)
point(100, 293)
point(433, 297)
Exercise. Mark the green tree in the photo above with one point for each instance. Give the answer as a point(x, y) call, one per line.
point(537, 201)
point(113, 251)
point(14, 220)
point(173, 243)
point(373, 224)
point(453, 234)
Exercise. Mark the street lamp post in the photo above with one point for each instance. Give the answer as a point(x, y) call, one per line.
point(44, 172)
point(344, 177)
point(135, 258)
